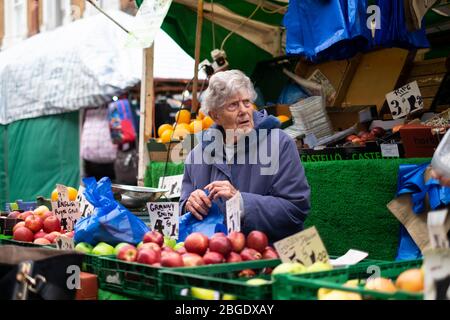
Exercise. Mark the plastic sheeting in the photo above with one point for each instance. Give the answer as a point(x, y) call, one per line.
point(36, 154)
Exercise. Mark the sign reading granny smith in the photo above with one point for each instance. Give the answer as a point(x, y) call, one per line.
point(164, 217)
point(305, 247)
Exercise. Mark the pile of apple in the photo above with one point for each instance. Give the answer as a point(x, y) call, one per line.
point(39, 226)
point(365, 136)
point(198, 250)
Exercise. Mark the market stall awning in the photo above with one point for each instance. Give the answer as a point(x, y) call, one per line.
point(83, 64)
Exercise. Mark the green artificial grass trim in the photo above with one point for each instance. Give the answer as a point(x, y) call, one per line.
point(108, 295)
point(348, 203)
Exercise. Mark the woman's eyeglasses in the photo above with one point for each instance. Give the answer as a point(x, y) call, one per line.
point(233, 106)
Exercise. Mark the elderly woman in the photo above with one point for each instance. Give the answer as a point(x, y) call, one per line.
point(245, 153)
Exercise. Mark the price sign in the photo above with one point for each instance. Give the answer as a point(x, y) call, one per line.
point(234, 213)
point(65, 243)
point(437, 274)
point(86, 208)
point(68, 212)
point(318, 77)
point(164, 217)
point(437, 229)
point(389, 150)
point(305, 247)
point(405, 100)
point(173, 184)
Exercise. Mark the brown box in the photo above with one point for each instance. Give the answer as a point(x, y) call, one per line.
point(89, 287)
point(419, 140)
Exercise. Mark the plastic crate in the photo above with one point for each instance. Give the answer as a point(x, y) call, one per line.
point(305, 286)
point(10, 241)
point(134, 279)
point(220, 278)
point(91, 263)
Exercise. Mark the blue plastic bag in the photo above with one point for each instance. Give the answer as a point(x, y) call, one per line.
point(111, 222)
point(212, 223)
point(326, 30)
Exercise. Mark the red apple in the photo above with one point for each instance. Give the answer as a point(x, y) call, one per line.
point(378, 132)
point(270, 253)
point(39, 234)
point(213, 258)
point(18, 225)
point(237, 241)
point(247, 273)
point(70, 234)
point(250, 254)
point(25, 215)
point(127, 253)
point(192, 260)
point(148, 256)
point(221, 245)
point(150, 246)
point(234, 257)
point(34, 223)
point(257, 240)
point(171, 260)
point(23, 234)
point(14, 214)
point(155, 237)
point(362, 133)
point(51, 224)
point(351, 137)
point(218, 234)
point(196, 243)
point(167, 249)
point(181, 250)
point(368, 137)
point(358, 142)
point(52, 236)
point(157, 265)
point(41, 241)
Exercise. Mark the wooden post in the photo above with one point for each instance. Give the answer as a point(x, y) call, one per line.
point(198, 42)
point(2, 21)
point(146, 113)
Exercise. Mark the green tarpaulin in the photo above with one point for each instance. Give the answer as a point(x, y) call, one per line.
point(36, 154)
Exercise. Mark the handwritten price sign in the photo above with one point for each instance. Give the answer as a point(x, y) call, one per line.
point(173, 184)
point(234, 213)
point(86, 208)
point(164, 217)
point(305, 247)
point(405, 100)
point(68, 212)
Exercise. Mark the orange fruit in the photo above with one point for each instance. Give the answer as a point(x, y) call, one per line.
point(196, 126)
point(72, 193)
point(207, 122)
point(201, 115)
point(166, 136)
point(163, 128)
point(183, 126)
point(183, 116)
point(283, 118)
point(180, 133)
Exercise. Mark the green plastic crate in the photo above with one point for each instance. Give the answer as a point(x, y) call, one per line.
point(305, 286)
point(220, 278)
point(91, 263)
point(134, 279)
point(6, 241)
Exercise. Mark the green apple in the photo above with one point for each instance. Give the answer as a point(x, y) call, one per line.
point(178, 246)
point(84, 247)
point(319, 266)
point(103, 249)
point(118, 247)
point(204, 294)
point(289, 268)
point(257, 282)
point(170, 242)
point(227, 296)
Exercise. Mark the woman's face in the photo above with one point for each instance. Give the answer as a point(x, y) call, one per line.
point(236, 114)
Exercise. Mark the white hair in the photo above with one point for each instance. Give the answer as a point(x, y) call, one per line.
point(224, 86)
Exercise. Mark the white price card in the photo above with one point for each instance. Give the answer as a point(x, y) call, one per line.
point(234, 211)
point(352, 257)
point(389, 150)
point(305, 247)
point(437, 229)
point(405, 100)
point(65, 243)
point(437, 274)
point(173, 184)
point(164, 217)
point(86, 208)
point(68, 212)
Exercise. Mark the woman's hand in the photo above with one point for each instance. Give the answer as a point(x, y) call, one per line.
point(444, 181)
point(198, 204)
point(221, 189)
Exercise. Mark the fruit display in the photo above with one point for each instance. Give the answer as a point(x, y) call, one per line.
point(39, 226)
point(365, 136)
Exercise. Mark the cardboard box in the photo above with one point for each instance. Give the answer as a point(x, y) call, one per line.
point(419, 140)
